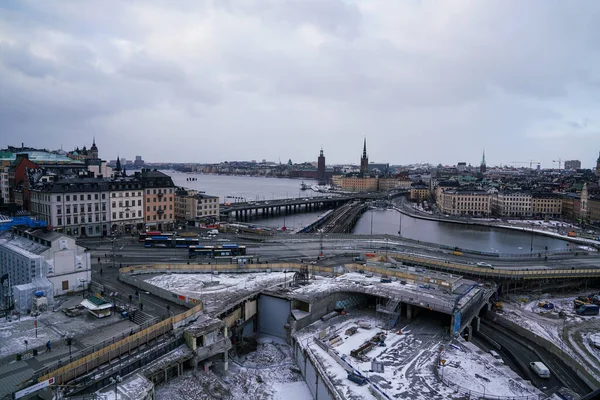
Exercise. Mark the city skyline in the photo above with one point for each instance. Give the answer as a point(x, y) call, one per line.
point(208, 83)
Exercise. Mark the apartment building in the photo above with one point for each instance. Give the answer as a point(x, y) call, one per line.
point(512, 204)
point(78, 207)
point(4, 187)
point(192, 206)
point(159, 199)
point(126, 205)
point(472, 203)
point(419, 193)
point(546, 205)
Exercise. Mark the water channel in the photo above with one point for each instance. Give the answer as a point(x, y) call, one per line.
point(480, 238)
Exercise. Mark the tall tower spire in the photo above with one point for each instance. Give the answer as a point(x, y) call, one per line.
point(482, 166)
point(364, 160)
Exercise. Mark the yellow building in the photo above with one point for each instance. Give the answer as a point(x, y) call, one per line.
point(546, 205)
point(474, 203)
point(419, 193)
point(357, 183)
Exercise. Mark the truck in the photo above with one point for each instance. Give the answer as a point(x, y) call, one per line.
point(588, 309)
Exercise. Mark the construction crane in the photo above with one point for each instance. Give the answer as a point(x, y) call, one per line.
point(530, 162)
point(559, 161)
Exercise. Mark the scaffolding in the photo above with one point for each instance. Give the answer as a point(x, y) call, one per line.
point(387, 311)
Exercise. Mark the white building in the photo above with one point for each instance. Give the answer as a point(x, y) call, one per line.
point(4, 193)
point(75, 206)
point(37, 260)
point(126, 205)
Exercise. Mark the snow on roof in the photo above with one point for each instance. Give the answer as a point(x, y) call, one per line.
point(95, 307)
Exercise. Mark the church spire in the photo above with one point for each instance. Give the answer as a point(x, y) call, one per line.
point(482, 166)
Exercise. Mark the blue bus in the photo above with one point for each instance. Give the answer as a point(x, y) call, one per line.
point(226, 250)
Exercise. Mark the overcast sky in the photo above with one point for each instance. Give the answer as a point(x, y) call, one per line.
point(208, 81)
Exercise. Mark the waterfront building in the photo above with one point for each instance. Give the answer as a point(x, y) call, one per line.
point(512, 204)
point(321, 168)
point(34, 260)
point(85, 154)
point(192, 206)
point(354, 183)
point(159, 199)
point(468, 203)
point(419, 192)
point(546, 205)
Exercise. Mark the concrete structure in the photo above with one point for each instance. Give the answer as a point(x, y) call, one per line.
point(159, 199)
point(474, 203)
point(207, 337)
point(126, 205)
point(101, 169)
point(572, 164)
point(35, 259)
point(76, 206)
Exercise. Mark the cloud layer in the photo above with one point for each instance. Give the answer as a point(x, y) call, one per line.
point(208, 81)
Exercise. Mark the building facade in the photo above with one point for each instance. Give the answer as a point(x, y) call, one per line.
point(4, 187)
point(419, 193)
point(78, 207)
point(159, 199)
point(572, 164)
point(546, 205)
point(468, 203)
point(512, 204)
point(191, 206)
point(126, 205)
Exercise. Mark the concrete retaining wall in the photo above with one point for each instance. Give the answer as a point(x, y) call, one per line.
point(317, 380)
point(588, 378)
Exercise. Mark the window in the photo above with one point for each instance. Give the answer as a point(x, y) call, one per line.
point(139, 202)
point(139, 213)
point(59, 221)
point(57, 198)
point(148, 218)
point(81, 197)
point(68, 198)
point(154, 217)
point(68, 220)
point(121, 215)
point(114, 215)
point(113, 195)
point(102, 196)
point(58, 210)
point(120, 204)
point(114, 205)
point(74, 208)
point(89, 196)
point(103, 206)
point(127, 203)
point(65, 285)
point(96, 196)
point(75, 219)
point(154, 208)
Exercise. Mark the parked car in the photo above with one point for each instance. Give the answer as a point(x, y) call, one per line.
point(484, 265)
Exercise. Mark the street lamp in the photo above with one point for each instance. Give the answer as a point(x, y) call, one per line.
point(116, 381)
point(69, 342)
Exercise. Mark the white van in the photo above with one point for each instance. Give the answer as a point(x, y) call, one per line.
point(213, 232)
point(495, 354)
point(540, 369)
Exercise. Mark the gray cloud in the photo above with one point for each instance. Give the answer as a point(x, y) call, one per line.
point(424, 81)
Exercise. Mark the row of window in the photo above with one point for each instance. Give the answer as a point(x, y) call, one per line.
point(81, 197)
point(133, 194)
point(114, 215)
point(114, 203)
point(153, 191)
point(160, 216)
point(80, 208)
point(159, 208)
point(81, 219)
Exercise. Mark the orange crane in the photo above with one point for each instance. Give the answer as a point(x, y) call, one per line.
point(530, 162)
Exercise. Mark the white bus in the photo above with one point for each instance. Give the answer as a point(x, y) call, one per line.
point(540, 369)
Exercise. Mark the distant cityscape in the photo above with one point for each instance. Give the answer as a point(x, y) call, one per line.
point(78, 193)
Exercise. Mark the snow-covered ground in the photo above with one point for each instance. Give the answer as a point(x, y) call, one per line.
point(467, 366)
point(410, 361)
point(54, 326)
point(570, 333)
point(269, 373)
point(215, 290)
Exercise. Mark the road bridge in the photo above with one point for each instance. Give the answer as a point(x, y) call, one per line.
point(247, 210)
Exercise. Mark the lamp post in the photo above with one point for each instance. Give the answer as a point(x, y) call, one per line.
point(69, 342)
point(483, 386)
point(116, 381)
point(114, 239)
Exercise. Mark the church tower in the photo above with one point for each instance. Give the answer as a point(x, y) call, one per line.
point(94, 150)
point(482, 166)
point(364, 160)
